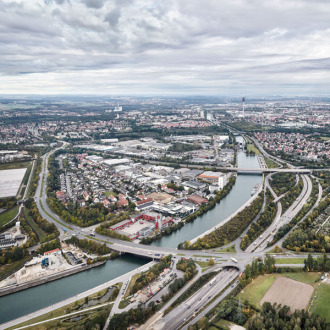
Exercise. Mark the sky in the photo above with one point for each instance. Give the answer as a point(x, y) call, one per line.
point(165, 47)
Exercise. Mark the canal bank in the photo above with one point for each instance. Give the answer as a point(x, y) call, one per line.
point(33, 299)
point(238, 196)
point(19, 287)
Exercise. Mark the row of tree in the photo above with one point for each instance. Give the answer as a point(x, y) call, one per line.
point(104, 230)
point(282, 182)
point(283, 230)
point(305, 238)
point(321, 263)
point(230, 230)
point(89, 245)
point(291, 196)
point(264, 221)
point(277, 317)
point(82, 216)
point(46, 226)
point(12, 254)
point(151, 274)
point(7, 203)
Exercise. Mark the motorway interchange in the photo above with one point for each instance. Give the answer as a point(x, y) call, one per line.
point(187, 311)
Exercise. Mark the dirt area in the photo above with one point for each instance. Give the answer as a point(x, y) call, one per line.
point(160, 198)
point(288, 292)
point(34, 270)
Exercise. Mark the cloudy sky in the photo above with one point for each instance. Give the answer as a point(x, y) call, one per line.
point(165, 47)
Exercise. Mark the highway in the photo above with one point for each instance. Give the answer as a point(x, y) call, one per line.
point(261, 243)
point(177, 317)
point(195, 303)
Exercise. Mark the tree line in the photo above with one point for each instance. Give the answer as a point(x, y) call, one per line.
point(151, 274)
point(230, 230)
point(304, 238)
point(291, 196)
point(264, 221)
point(89, 245)
point(46, 226)
point(282, 182)
point(283, 230)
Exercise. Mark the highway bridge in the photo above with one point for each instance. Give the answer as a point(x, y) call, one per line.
point(266, 170)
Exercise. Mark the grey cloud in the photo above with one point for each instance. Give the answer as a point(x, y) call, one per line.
point(94, 3)
point(183, 45)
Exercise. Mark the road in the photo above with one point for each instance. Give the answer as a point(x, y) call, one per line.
point(261, 243)
point(70, 300)
point(178, 316)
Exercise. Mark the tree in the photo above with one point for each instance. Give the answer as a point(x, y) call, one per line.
point(211, 262)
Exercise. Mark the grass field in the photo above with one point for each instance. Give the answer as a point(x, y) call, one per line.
point(108, 193)
point(270, 163)
point(230, 249)
point(11, 166)
point(252, 147)
point(289, 261)
point(255, 291)
point(6, 216)
point(321, 303)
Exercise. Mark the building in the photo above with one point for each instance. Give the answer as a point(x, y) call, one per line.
point(117, 161)
point(215, 178)
point(196, 199)
point(53, 252)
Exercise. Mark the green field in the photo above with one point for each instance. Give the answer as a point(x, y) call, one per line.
point(270, 163)
point(255, 291)
point(321, 303)
point(230, 249)
point(6, 216)
point(108, 193)
point(289, 261)
point(11, 166)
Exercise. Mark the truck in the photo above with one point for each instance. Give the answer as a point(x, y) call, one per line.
point(212, 282)
point(233, 259)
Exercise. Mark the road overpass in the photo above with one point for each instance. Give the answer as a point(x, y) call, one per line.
point(265, 170)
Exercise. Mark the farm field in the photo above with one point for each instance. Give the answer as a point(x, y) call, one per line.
point(256, 290)
point(286, 291)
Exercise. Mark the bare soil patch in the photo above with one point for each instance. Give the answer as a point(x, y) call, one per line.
point(288, 292)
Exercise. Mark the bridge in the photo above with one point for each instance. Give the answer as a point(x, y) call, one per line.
point(266, 170)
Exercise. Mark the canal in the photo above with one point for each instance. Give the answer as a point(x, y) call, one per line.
point(27, 301)
point(33, 299)
point(240, 193)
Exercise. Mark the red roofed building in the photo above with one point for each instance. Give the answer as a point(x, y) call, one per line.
point(197, 199)
point(56, 251)
point(147, 200)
